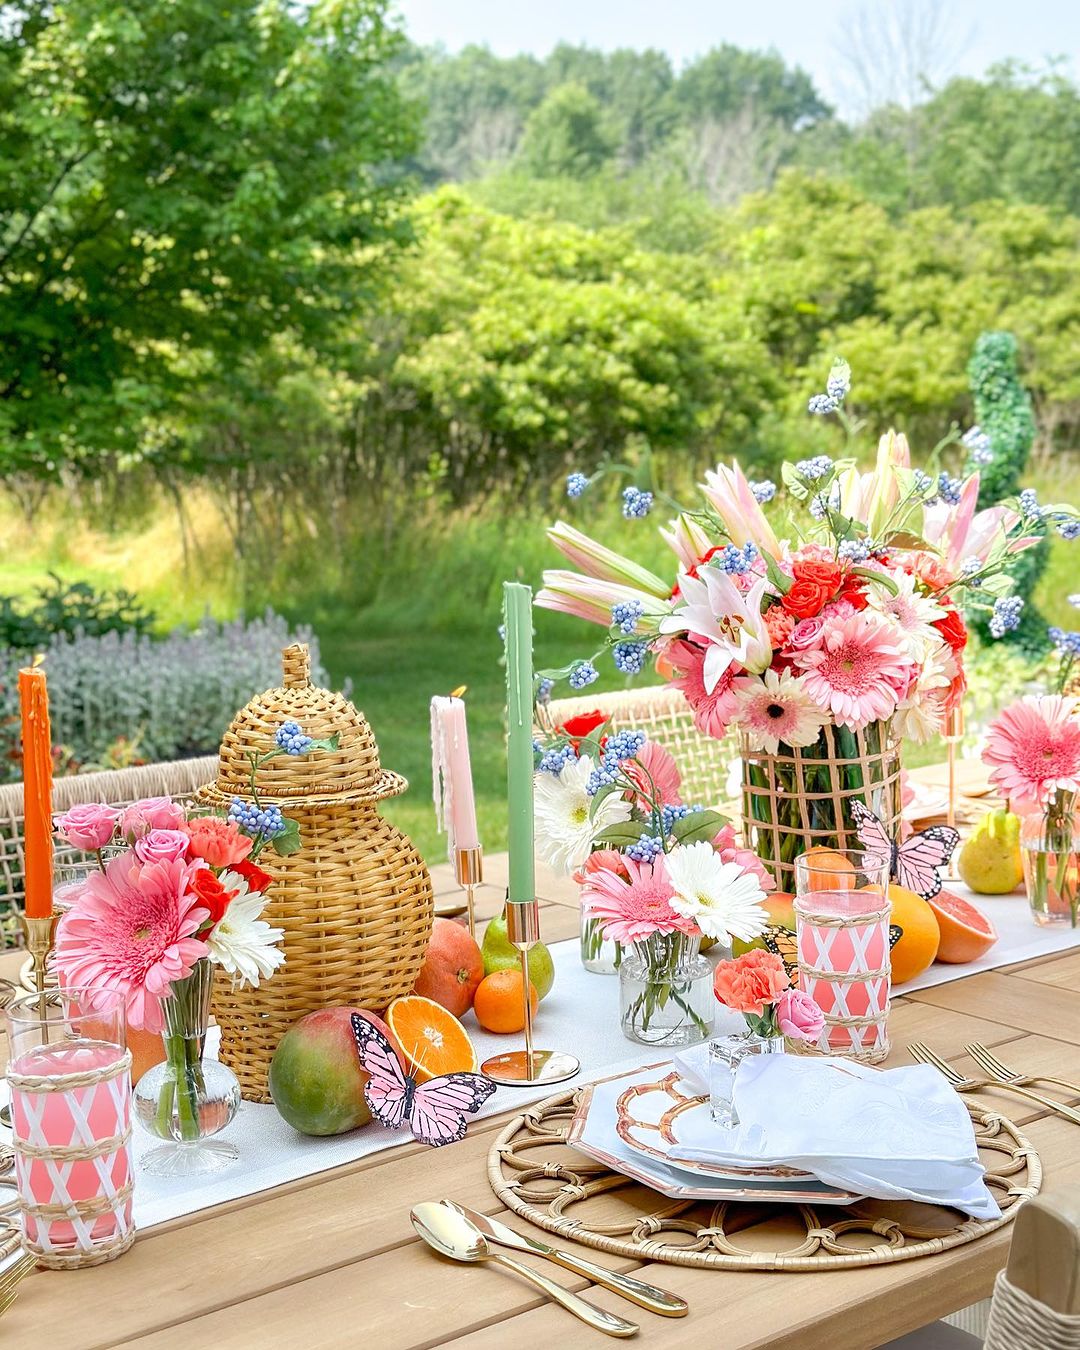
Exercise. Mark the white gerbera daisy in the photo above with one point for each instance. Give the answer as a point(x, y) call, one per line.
point(722, 898)
point(564, 829)
point(778, 708)
point(921, 715)
point(912, 612)
point(242, 943)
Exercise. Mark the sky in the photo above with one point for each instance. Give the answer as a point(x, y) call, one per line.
point(805, 32)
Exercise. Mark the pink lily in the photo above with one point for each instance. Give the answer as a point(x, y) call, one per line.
point(595, 560)
point(592, 598)
point(716, 612)
point(687, 540)
point(733, 499)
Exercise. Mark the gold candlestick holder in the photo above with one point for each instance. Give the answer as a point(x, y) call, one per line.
point(954, 734)
point(39, 941)
point(521, 1068)
point(469, 868)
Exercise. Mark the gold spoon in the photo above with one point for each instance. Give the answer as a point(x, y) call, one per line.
point(452, 1235)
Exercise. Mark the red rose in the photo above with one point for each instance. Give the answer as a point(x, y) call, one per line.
point(705, 558)
point(952, 629)
point(805, 599)
point(256, 878)
point(212, 895)
point(853, 592)
point(576, 729)
point(824, 574)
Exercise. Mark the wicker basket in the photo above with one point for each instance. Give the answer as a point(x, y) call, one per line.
point(355, 902)
point(801, 798)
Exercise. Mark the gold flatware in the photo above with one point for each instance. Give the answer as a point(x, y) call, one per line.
point(961, 1084)
point(644, 1295)
point(12, 1277)
point(994, 1067)
point(452, 1235)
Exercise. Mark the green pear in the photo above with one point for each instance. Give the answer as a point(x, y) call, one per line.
point(500, 954)
point(989, 861)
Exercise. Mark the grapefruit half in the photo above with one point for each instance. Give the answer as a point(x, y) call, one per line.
point(966, 932)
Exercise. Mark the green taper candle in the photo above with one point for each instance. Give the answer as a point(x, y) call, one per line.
point(517, 616)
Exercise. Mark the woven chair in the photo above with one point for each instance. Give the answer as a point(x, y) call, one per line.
point(705, 763)
point(1036, 1302)
point(119, 787)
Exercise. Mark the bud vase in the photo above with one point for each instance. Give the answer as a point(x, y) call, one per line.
point(599, 955)
point(665, 991)
point(189, 1098)
point(726, 1053)
point(1050, 853)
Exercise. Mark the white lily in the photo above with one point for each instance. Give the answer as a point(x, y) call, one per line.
point(730, 624)
point(592, 598)
point(687, 540)
point(734, 502)
point(595, 560)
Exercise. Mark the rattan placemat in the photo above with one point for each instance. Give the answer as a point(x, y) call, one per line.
point(537, 1174)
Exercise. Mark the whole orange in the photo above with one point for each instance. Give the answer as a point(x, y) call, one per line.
point(918, 943)
point(453, 968)
point(827, 867)
point(498, 1004)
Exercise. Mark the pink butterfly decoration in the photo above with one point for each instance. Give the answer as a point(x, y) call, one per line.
point(914, 863)
point(434, 1111)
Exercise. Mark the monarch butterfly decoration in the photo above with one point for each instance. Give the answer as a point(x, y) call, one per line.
point(781, 942)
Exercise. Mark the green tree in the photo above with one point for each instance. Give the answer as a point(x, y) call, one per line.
point(719, 84)
point(566, 135)
point(181, 184)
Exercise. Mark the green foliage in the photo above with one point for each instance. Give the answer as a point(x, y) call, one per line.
point(69, 609)
point(565, 136)
point(1003, 411)
point(719, 84)
point(181, 184)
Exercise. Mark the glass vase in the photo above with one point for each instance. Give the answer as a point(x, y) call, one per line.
point(800, 798)
point(188, 1099)
point(1050, 852)
point(599, 954)
point(665, 991)
point(726, 1053)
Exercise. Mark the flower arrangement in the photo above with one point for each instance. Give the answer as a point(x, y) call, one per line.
point(1033, 752)
point(656, 874)
point(756, 984)
point(183, 893)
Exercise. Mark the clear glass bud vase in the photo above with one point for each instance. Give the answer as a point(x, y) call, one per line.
point(665, 991)
point(188, 1099)
point(1050, 853)
point(599, 954)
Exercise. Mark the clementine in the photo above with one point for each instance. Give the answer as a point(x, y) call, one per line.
point(431, 1039)
point(827, 868)
point(498, 1004)
point(920, 936)
point(966, 932)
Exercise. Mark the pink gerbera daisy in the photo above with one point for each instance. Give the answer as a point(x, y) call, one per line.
point(132, 929)
point(656, 774)
point(638, 908)
point(1034, 749)
point(859, 673)
point(712, 711)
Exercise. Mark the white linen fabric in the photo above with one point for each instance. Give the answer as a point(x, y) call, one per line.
point(894, 1134)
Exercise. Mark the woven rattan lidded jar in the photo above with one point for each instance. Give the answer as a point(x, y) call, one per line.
point(355, 902)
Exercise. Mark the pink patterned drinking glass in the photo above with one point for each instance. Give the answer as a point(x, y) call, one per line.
point(842, 933)
point(70, 1081)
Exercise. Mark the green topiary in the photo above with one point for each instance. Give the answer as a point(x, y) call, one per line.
point(1004, 413)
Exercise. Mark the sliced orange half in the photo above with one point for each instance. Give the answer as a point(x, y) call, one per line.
point(432, 1040)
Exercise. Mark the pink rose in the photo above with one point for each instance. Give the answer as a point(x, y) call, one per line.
point(88, 827)
point(798, 1016)
point(806, 634)
point(152, 813)
point(162, 846)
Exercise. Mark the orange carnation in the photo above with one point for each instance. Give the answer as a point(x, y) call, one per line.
point(751, 983)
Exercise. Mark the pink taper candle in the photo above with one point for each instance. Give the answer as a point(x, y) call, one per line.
point(451, 771)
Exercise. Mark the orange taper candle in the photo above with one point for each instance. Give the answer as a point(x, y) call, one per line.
point(37, 792)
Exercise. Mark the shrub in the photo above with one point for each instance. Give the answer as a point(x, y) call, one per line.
point(167, 698)
point(69, 609)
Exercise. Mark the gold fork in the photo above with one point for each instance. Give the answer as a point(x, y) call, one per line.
point(961, 1084)
point(994, 1067)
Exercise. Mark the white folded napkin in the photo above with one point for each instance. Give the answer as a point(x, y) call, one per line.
point(894, 1134)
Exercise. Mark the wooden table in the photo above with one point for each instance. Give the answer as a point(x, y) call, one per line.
point(331, 1260)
